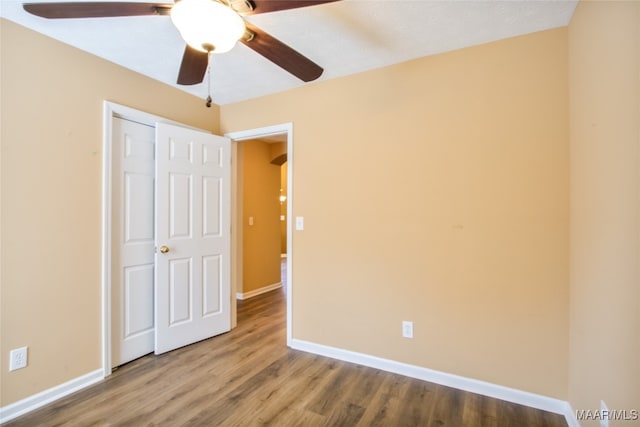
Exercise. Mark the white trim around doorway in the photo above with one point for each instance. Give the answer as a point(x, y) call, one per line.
point(279, 129)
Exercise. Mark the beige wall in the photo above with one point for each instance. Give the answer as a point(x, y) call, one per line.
point(447, 203)
point(283, 208)
point(604, 75)
point(51, 142)
point(261, 192)
point(436, 191)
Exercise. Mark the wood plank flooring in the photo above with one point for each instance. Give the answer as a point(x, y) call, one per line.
point(248, 377)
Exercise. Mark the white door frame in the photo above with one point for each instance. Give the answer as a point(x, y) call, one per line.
point(236, 261)
point(111, 109)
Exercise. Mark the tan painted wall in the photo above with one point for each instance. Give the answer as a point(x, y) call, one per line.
point(283, 208)
point(261, 192)
point(604, 75)
point(51, 142)
point(436, 191)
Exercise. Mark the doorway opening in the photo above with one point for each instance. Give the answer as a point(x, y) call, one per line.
point(262, 201)
point(277, 133)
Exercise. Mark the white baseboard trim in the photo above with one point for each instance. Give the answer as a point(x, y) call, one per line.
point(38, 400)
point(462, 383)
point(256, 292)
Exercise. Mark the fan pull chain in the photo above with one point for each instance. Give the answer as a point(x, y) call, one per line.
point(208, 103)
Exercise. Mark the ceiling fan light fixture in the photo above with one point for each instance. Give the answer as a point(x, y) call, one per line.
point(206, 23)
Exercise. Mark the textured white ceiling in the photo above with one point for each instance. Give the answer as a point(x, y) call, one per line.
point(346, 37)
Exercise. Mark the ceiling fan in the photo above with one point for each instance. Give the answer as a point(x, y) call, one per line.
point(208, 26)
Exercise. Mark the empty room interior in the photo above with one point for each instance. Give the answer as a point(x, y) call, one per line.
point(468, 218)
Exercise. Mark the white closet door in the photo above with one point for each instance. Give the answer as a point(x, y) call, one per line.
point(133, 241)
point(193, 286)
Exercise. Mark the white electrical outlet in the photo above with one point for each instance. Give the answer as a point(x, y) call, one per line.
point(407, 329)
point(604, 414)
point(18, 358)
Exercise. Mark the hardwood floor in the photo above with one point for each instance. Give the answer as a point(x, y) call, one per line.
point(248, 377)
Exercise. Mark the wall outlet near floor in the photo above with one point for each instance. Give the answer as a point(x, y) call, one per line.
point(18, 358)
point(407, 329)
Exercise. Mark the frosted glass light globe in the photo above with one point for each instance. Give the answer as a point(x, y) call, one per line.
point(207, 24)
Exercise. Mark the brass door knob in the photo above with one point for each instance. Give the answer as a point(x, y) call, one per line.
point(164, 249)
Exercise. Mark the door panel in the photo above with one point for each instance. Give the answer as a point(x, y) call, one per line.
point(193, 299)
point(180, 286)
point(138, 208)
point(132, 273)
point(138, 300)
point(211, 284)
point(212, 203)
point(180, 205)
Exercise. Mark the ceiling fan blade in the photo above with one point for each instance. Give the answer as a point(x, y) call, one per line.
point(96, 9)
point(193, 66)
point(266, 6)
point(282, 55)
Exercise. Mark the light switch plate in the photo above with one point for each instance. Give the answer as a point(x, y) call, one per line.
point(299, 223)
point(407, 329)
